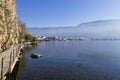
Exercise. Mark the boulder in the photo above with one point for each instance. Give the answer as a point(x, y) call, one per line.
point(35, 55)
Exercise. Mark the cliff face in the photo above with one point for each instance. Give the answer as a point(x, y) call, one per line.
point(9, 30)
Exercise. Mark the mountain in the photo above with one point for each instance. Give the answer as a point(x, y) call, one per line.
point(101, 28)
point(101, 23)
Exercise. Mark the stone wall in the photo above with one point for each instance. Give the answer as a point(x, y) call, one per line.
point(9, 30)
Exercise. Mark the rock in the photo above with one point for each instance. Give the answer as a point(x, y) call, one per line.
point(35, 55)
point(9, 29)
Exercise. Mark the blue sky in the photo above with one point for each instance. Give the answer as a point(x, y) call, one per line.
point(52, 13)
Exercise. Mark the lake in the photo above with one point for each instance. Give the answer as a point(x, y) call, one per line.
point(72, 60)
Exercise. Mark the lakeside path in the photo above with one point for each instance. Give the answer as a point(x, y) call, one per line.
point(8, 60)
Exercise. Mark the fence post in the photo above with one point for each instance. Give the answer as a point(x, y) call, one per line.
point(2, 69)
point(10, 63)
point(16, 51)
point(13, 56)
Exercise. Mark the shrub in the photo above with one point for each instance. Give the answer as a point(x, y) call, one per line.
point(28, 37)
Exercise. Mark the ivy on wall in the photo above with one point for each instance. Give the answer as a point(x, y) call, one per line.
point(1, 6)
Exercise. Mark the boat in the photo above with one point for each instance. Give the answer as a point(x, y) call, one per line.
point(35, 55)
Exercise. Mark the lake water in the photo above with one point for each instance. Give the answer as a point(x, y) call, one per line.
point(72, 60)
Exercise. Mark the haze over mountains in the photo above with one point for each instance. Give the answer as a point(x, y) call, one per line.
point(101, 29)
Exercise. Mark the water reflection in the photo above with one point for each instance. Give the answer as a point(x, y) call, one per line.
point(73, 60)
point(30, 47)
point(23, 60)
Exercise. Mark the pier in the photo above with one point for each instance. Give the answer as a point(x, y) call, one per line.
point(8, 59)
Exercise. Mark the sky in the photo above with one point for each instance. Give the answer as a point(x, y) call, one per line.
point(53, 13)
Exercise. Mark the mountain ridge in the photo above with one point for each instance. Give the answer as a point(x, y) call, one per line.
point(99, 22)
point(100, 28)
point(90, 23)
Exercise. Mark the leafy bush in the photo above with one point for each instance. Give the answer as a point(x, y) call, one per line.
point(28, 37)
point(24, 36)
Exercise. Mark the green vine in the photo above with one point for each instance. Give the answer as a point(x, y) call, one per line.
point(1, 6)
point(7, 12)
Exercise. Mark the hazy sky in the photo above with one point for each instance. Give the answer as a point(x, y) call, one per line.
point(52, 13)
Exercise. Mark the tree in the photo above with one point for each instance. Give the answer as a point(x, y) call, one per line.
point(28, 37)
point(22, 26)
point(34, 39)
point(22, 32)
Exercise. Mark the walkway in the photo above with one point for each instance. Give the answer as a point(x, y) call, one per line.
point(8, 60)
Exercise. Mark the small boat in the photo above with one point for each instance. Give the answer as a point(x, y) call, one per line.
point(36, 55)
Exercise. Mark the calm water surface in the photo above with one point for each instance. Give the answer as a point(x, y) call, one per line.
point(72, 60)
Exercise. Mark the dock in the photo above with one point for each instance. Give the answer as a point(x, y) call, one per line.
point(8, 59)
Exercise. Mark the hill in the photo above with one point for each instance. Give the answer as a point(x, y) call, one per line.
point(101, 28)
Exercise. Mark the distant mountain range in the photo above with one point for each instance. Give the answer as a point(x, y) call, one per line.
point(100, 23)
point(101, 28)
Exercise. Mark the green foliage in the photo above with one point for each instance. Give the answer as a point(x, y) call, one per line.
point(34, 39)
point(28, 37)
point(7, 12)
point(21, 37)
point(1, 6)
point(24, 36)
